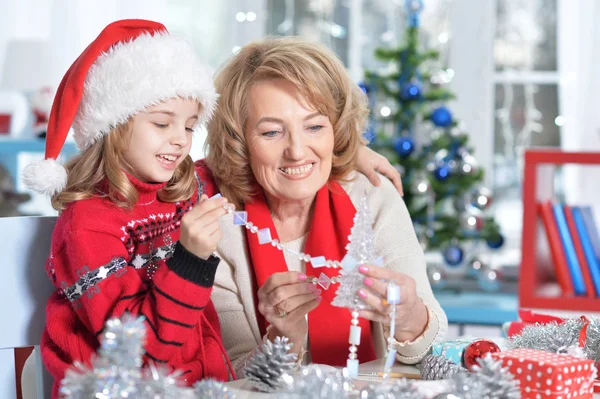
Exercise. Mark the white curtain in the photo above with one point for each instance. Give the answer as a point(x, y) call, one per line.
point(579, 66)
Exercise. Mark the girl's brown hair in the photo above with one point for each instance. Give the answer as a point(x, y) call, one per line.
point(104, 160)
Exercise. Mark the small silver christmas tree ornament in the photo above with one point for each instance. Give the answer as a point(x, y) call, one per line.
point(269, 363)
point(361, 250)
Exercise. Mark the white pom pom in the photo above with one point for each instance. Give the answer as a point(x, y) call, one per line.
point(46, 176)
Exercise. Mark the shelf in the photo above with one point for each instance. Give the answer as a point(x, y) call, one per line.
point(478, 307)
point(532, 282)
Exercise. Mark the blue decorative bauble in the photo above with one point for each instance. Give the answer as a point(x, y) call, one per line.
point(495, 242)
point(489, 279)
point(410, 91)
point(414, 6)
point(441, 117)
point(364, 87)
point(404, 145)
point(453, 255)
point(369, 134)
point(442, 172)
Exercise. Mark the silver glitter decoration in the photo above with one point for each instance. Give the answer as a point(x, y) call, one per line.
point(160, 383)
point(496, 381)
point(402, 389)
point(211, 389)
point(269, 363)
point(361, 247)
point(552, 337)
point(315, 382)
point(435, 367)
point(79, 382)
point(122, 342)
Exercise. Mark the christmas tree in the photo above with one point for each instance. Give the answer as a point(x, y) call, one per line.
point(446, 197)
point(361, 251)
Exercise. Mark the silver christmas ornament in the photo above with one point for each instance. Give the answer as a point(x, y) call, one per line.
point(269, 363)
point(386, 110)
point(212, 389)
point(471, 220)
point(448, 396)
point(160, 383)
point(402, 389)
point(436, 275)
point(489, 278)
point(481, 198)
point(420, 184)
point(435, 367)
point(496, 381)
point(316, 381)
point(474, 267)
point(361, 250)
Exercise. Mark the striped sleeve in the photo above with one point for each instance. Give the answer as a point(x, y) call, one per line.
point(93, 273)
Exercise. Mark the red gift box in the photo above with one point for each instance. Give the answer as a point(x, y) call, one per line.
point(546, 375)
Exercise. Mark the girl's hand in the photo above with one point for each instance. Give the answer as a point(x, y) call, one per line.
point(411, 314)
point(200, 231)
point(369, 163)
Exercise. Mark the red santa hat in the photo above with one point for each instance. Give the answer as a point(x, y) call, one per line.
point(132, 64)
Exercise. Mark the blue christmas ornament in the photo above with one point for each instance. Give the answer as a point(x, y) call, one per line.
point(495, 242)
point(410, 91)
point(489, 279)
point(369, 133)
point(404, 145)
point(364, 87)
point(442, 172)
point(441, 117)
point(453, 255)
point(414, 6)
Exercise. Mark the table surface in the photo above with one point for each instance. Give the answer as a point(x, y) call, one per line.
point(243, 390)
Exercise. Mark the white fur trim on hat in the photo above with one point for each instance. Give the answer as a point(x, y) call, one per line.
point(46, 176)
point(137, 74)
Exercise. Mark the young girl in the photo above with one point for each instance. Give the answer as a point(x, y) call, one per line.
point(134, 233)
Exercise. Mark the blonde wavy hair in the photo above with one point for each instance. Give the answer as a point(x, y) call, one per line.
point(320, 77)
point(104, 160)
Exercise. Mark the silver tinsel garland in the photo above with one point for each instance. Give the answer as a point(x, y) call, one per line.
point(211, 389)
point(553, 337)
point(116, 371)
point(269, 363)
point(316, 382)
point(402, 389)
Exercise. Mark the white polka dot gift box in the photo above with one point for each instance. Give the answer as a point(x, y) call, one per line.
point(545, 375)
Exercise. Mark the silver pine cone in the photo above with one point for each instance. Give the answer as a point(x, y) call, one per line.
point(269, 363)
point(439, 368)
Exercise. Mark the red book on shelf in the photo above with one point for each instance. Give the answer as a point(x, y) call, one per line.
point(585, 268)
point(561, 268)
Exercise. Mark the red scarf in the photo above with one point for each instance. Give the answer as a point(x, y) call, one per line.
point(328, 326)
point(333, 217)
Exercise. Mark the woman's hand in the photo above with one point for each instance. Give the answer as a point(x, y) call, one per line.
point(284, 301)
point(369, 163)
point(411, 313)
point(200, 231)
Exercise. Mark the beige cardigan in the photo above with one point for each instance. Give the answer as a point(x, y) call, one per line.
point(395, 240)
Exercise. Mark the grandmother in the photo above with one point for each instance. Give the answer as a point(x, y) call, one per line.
point(283, 146)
